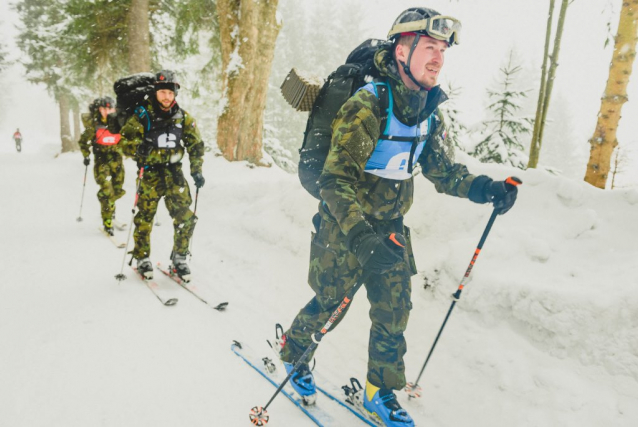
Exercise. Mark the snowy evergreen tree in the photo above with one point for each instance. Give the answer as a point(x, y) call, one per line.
point(185, 38)
point(500, 138)
point(94, 33)
point(455, 127)
point(4, 61)
point(42, 41)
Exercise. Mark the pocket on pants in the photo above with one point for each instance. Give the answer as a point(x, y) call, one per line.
point(323, 265)
point(409, 253)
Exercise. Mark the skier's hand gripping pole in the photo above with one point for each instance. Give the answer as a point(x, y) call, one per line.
point(259, 414)
point(413, 389)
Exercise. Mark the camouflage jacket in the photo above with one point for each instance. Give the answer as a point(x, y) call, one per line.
point(87, 139)
point(136, 130)
point(349, 194)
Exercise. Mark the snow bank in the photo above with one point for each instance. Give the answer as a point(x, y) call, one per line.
point(545, 333)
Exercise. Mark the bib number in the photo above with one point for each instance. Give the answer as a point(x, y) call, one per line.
point(167, 140)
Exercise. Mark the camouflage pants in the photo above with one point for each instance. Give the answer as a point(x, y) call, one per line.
point(333, 272)
point(167, 182)
point(109, 175)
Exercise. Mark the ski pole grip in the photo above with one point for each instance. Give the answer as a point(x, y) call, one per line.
point(512, 180)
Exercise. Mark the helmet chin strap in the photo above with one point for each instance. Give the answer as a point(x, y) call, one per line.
point(406, 67)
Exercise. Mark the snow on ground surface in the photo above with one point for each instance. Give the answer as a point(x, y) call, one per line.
point(545, 334)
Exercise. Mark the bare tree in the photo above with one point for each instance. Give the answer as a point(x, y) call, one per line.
point(618, 164)
point(604, 139)
point(248, 31)
point(547, 80)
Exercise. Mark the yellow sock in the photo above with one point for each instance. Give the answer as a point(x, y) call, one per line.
point(370, 390)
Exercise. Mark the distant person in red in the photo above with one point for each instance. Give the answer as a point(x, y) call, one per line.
point(17, 137)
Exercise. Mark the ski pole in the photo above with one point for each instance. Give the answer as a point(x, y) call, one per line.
point(140, 175)
point(258, 415)
point(190, 252)
point(86, 169)
point(413, 389)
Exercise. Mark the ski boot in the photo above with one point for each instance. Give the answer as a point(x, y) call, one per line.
point(145, 268)
point(108, 227)
point(383, 404)
point(303, 382)
point(180, 267)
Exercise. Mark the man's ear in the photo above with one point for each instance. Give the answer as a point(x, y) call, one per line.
point(400, 52)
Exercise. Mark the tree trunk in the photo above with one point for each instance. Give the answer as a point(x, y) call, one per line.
point(65, 127)
point(549, 85)
point(247, 47)
point(604, 140)
point(77, 130)
point(139, 50)
point(534, 148)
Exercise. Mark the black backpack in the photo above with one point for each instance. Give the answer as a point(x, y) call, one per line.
point(341, 84)
point(130, 92)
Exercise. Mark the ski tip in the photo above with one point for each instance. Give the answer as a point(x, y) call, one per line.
point(236, 344)
point(221, 306)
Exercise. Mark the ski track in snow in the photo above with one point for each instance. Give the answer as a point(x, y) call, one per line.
point(545, 334)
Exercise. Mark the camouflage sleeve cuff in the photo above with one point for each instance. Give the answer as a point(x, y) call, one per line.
point(477, 189)
point(351, 221)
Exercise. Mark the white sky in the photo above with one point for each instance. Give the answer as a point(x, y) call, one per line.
point(490, 29)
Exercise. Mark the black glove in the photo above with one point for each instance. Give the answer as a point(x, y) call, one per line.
point(375, 252)
point(87, 161)
point(502, 194)
point(199, 179)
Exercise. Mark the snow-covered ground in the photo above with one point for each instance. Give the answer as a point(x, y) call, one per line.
point(546, 333)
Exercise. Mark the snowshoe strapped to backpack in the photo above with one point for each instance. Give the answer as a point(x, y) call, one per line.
point(342, 83)
point(131, 92)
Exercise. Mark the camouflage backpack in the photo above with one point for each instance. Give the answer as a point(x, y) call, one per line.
point(340, 85)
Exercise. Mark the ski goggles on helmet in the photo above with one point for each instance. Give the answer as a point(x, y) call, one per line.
point(438, 27)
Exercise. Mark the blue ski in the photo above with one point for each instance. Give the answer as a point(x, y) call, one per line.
point(323, 413)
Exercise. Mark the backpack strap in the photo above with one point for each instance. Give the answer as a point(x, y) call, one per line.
point(144, 117)
point(386, 103)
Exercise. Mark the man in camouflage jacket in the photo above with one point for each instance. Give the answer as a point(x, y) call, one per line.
point(157, 136)
point(364, 201)
point(108, 169)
